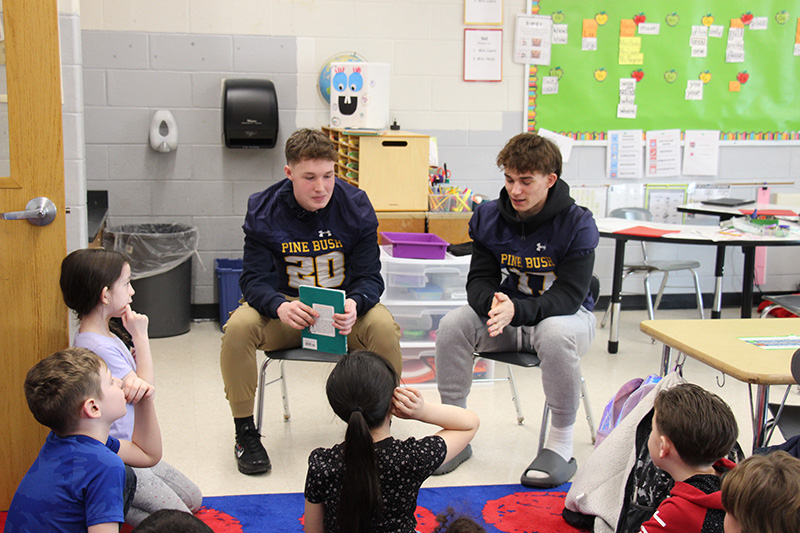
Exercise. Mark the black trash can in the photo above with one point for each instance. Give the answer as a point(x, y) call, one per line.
point(160, 256)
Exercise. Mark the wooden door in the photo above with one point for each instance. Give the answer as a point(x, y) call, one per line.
point(33, 318)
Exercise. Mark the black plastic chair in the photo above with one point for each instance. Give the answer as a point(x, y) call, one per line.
point(292, 354)
point(531, 360)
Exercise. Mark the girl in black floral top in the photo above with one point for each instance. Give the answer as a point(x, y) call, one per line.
point(370, 481)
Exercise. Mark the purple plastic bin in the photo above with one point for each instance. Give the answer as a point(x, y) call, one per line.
point(415, 245)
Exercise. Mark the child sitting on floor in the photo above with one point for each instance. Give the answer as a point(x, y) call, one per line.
point(96, 285)
point(762, 495)
point(77, 481)
point(370, 481)
point(693, 430)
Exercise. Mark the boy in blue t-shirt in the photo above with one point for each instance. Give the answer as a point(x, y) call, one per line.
point(76, 482)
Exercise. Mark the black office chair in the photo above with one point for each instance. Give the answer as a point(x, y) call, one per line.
point(531, 360)
point(292, 354)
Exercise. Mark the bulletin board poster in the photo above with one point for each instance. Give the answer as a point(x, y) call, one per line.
point(727, 65)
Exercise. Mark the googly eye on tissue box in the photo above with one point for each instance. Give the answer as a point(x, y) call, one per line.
point(360, 95)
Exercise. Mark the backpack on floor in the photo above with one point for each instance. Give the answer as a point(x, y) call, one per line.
point(627, 397)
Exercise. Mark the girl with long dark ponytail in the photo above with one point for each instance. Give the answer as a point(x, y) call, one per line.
point(370, 481)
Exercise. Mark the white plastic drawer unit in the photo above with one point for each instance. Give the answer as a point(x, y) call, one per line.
point(424, 279)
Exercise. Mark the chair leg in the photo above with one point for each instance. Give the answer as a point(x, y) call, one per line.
point(698, 293)
point(766, 311)
point(262, 384)
point(515, 396)
point(587, 408)
point(543, 429)
point(285, 396)
point(605, 315)
point(661, 291)
point(648, 295)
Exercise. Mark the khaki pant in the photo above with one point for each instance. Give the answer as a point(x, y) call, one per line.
point(247, 331)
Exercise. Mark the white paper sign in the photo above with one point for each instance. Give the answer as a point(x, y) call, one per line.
point(549, 85)
point(716, 30)
point(563, 142)
point(483, 55)
point(624, 154)
point(560, 33)
point(662, 153)
point(649, 28)
point(758, 23)
point(694, 90)
point(589, 44)
point(533, 38)
point(701, 152)
point(626, 111)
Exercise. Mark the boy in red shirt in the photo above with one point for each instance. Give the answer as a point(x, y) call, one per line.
point(693, 431)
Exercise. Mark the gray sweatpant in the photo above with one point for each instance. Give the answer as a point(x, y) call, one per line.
point(560, 341)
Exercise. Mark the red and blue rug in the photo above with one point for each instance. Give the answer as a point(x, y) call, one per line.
point(498, 508)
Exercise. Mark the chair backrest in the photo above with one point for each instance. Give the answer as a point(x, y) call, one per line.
point(796, 366)
point(594, 288)
point(632, 213)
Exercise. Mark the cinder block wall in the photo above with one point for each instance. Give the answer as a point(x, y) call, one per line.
point(139, 57)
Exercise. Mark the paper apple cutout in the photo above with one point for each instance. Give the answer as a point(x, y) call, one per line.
point(558, 17)
point(638, 19)
point(782, 17)
point(708, 20)
point(672, 19)
point(742, 77)
point(705, 77)
point(637, 74)
point(600, 74)
point(670, 76)
point(747, 18)
point(601, 18)
point(557, 72)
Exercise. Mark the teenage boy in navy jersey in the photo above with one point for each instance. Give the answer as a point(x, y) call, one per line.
point(308, 229)
point(528, 290)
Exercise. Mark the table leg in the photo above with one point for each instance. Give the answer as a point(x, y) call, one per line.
point(760, 415)
point(747, 280)
point(666, 360)
point(719, 269)
point(616, 298)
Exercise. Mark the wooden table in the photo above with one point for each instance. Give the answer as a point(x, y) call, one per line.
point(716, 343)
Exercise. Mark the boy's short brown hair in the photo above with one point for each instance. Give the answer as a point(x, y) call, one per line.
point(529, 152)
point(763, 493)
point(309, 144)
point(700, 424)
point(57, 386)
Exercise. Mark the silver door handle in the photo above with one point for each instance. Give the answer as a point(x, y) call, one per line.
point(39, 212)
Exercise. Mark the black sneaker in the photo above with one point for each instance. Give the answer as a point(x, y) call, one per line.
point(455, 462)
point(251, 456)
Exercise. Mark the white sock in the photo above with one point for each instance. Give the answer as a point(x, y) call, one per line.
point(559, 440)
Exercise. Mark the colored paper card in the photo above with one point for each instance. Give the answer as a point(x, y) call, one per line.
point(627, 28)
point(630, 51)
point(734, 86)
point(644, 231)
point(737, 23)
point(770, 212)
point(797, 32)
point(589, 28)
point(322, 335)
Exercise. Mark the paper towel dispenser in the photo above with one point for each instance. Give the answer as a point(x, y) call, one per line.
point(249, 113)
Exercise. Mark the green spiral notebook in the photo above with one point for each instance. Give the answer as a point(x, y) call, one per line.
point(322, 336)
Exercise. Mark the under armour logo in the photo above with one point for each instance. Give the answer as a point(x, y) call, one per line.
point(540, 247)
point(324, 233)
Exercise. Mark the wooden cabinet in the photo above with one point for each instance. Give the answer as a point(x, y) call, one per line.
point(391, 167)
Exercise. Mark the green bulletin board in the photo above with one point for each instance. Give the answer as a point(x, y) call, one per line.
point(767, 105)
